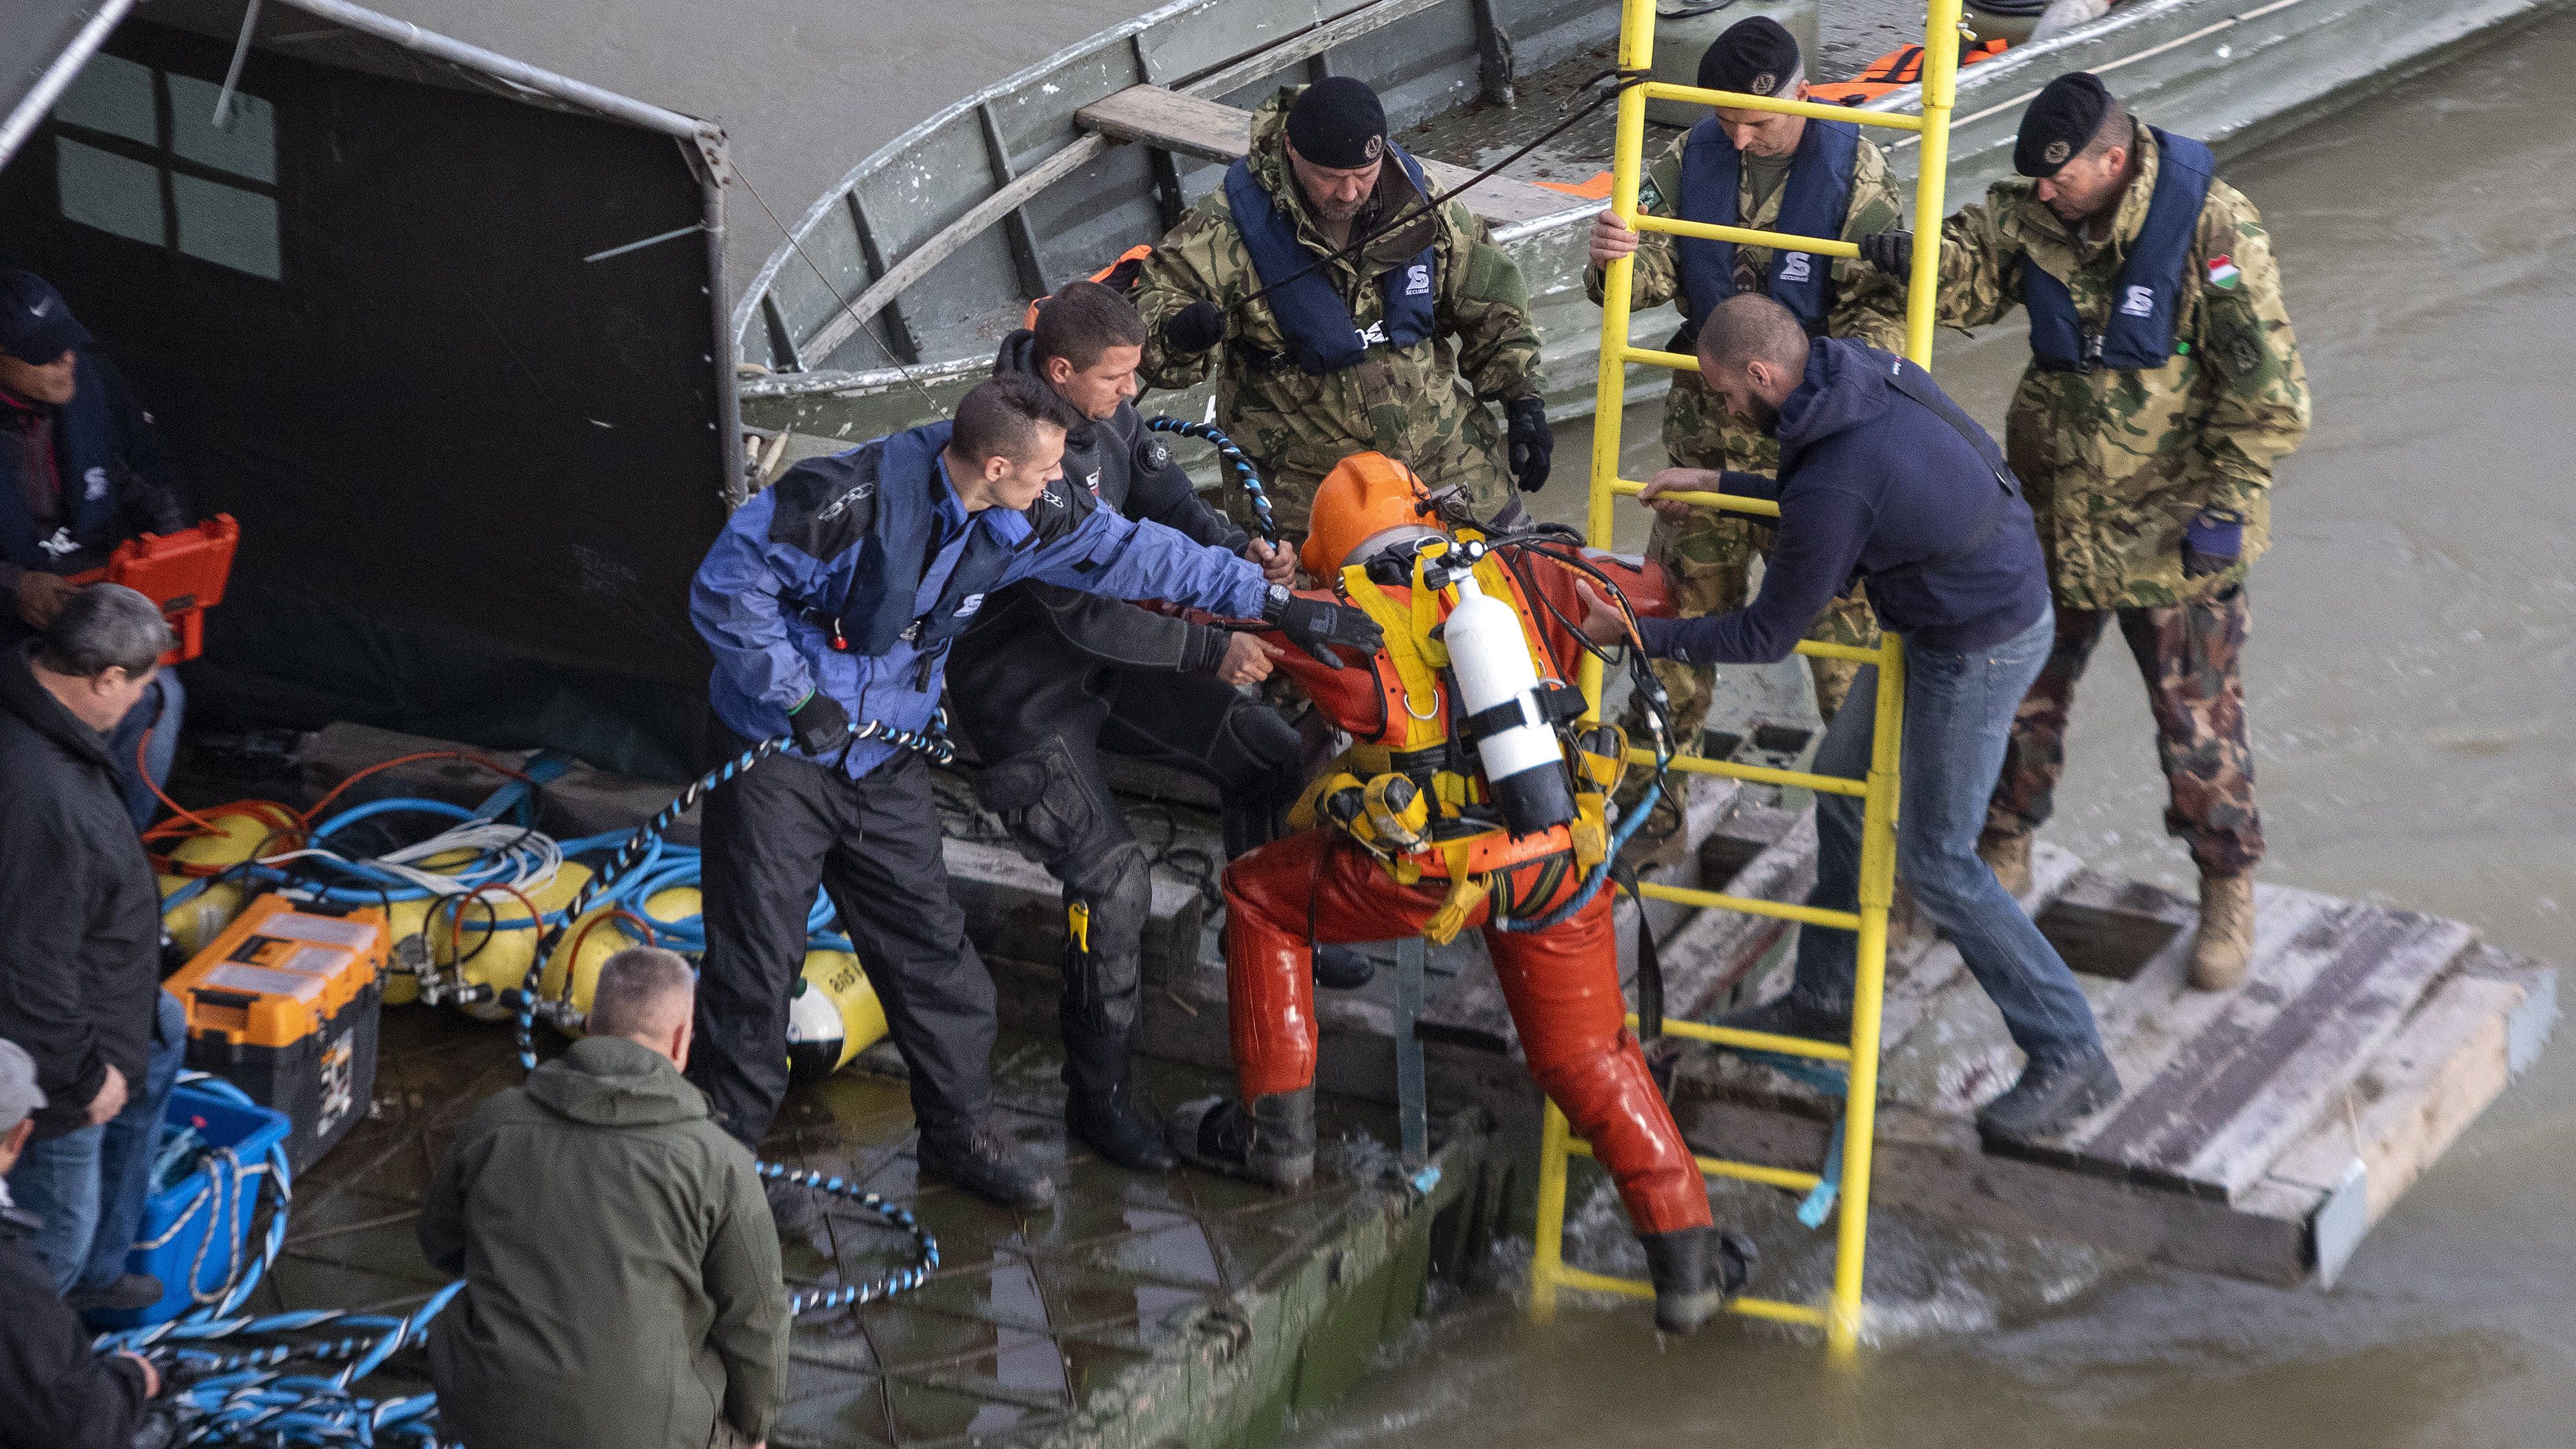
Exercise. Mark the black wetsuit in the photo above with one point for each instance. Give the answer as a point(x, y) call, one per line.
point(1047, 678)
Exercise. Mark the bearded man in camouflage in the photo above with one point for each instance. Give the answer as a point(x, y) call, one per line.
point(2164, 385)
point(1329, 351)
point(1769, 172)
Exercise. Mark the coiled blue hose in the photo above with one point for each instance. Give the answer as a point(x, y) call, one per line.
point(1244, 473)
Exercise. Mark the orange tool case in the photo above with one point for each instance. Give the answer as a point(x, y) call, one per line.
point(183, 572)
point(284, 1004)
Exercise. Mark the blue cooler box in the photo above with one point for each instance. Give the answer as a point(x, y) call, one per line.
point(199, 1228)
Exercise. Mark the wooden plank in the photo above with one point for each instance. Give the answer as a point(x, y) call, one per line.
point(1706, 959)
point(2158, 1130)
point(2157, 1013)
point(2300, 1067)
point(1932, 1164)
point(1194, 126)
point(2416, 1096)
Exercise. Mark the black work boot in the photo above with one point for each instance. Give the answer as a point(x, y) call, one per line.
point(2053, 1094)
point(1272, 1144)
point(1343, 968)
point(1786, 1015)
point(983, 1164)
point(1115, 1125)
point(1697, 1272)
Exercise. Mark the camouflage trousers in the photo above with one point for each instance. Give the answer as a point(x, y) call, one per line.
point(1709, 559)
point(2188, 653)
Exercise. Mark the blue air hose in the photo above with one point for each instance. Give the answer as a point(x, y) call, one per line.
point(932, 742)
point(1244, 473)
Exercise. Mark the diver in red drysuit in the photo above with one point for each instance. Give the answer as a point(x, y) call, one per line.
point(1338, 883)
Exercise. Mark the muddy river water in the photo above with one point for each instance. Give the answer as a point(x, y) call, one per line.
point(2410, 688)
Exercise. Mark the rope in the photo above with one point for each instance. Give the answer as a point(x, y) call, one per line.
point(245, 1396)
point(1244, 473)
point(932, 742)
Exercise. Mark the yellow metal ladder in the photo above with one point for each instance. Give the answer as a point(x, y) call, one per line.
point(1839, 1316)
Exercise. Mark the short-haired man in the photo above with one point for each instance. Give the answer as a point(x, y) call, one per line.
point(1403, 346)
point(80, 941)
point(2164, 386)
point(80, 472)
point(55, 1391)
point(1773, 172)
point(1047, 677)
point(833, 598)
point(621, 1273)
point(1883, 476)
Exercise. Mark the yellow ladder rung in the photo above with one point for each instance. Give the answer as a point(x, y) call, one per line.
point(1788, 1177)
point(1735, 502)
point(1746, 236)
point(1758, 1041)
point(1677, 361)
point(1767, 1308)
point(1739, 101)
point(1758, 774)
point(1713, 900)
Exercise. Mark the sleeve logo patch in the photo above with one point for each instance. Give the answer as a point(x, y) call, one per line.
point(2223, 273)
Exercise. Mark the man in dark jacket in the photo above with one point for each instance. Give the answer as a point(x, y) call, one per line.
point(621, 1270)
point(54, 1392)
point(80, 472)
point(834, 599)
point(1884, 478)
point(1047, 677)
point(80, 941)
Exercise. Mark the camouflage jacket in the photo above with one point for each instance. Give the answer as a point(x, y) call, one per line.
point(2118, 461)
point(1409, 404)
point(1869, 306)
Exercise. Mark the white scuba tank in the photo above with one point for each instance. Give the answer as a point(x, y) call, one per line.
point(1489, 657)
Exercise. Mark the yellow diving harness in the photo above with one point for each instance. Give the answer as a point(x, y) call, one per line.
point(1416, 798)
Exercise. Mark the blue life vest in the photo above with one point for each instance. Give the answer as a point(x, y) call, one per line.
point(2140, 333)
point(1817, 201)
point(1321, 333)
point(899, 477)
point(85, 466)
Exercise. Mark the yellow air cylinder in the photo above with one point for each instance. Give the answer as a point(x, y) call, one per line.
point(832, 1016)
point(478, 939)
point(586, 947)
point(408, 953)
point(196, 922)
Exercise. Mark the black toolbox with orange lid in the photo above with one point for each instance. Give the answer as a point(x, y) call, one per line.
point(284, 1004)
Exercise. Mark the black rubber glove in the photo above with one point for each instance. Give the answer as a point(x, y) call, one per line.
point(819, 724)
point(1319, 627)
point(1891, 252)
point(1532, 445)
point(2211, 544)
point(1194, 329)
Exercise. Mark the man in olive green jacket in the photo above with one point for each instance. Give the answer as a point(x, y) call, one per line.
point(621, 1272)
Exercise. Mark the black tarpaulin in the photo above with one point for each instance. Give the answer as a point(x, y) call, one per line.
point(473, 469)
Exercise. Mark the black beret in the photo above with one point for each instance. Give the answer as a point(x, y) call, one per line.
point(1756, 57)
point(2060, 122)
point(1338, 123)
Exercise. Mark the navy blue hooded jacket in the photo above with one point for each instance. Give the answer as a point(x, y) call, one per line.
point(814, 546)
point(1872, 481)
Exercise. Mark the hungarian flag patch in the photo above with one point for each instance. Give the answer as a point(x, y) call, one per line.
point(2222, 272)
